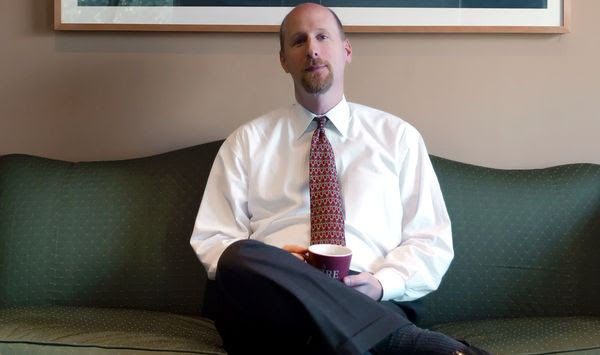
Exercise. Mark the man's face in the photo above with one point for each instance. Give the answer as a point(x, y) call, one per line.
point(314, 52)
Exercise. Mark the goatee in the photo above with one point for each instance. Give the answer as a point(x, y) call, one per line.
point(313, 82)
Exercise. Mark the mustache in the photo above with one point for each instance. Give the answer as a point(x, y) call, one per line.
point(316, 61)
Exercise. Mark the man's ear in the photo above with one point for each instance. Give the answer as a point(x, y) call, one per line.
point(348, 50)
point(282, 61)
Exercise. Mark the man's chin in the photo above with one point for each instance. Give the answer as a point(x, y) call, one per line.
point(316, 88)
point(315, 83)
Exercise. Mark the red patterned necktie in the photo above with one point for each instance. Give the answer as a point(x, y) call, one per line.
point(326, 208)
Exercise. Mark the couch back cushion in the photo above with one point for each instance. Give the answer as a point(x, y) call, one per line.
point(526, 242)
point(112, 234)
point(116, 234)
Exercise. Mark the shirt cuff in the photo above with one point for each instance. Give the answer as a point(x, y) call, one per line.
point(392, 283)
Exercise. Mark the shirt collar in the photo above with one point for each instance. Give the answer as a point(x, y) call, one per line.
point(339, 116)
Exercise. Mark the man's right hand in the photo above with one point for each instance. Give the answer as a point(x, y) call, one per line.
point(298, 251)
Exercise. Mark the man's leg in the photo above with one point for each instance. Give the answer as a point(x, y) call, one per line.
point(265, 289)
point(269, 300)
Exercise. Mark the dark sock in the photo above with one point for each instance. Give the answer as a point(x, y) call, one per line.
point(413, 340)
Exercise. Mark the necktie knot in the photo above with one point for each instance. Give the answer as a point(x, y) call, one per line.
point(321, 121)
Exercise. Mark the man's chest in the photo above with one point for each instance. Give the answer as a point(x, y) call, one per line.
point(278, 182)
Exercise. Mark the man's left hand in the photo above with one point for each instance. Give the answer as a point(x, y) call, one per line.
point(298, 251)
point(365, 283)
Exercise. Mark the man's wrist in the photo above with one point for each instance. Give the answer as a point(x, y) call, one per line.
point(380, 289)
point(392, 283)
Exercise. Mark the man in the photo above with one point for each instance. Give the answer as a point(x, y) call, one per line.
point(254, 223)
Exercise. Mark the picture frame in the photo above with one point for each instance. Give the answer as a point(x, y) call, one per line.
point(554, 18)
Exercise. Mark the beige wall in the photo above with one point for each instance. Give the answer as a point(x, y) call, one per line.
point(508, 101)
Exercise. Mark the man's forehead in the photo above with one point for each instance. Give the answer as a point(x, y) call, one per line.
point(305, 19)
point(297, 32)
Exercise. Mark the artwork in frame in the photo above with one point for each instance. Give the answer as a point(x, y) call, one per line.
point(491, 16)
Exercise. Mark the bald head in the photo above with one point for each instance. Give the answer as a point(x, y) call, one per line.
point(301, 10)
point(315, 51)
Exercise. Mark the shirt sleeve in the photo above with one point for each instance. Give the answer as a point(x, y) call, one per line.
point(417, 265)
point(223, 217)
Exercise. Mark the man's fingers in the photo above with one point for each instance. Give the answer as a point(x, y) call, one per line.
point(297, 251)
point(349, 281)
point(299, 256)
point(353, 280)
point(365, 283)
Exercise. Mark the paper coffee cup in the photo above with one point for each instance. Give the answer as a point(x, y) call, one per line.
point(333, 260)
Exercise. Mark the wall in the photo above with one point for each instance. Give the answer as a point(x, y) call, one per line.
point(507, 101)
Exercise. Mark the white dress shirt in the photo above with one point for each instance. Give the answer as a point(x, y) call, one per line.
point(396, 221)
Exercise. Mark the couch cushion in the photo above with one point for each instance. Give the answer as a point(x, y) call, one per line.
point(29, 198)
point(89, 330)
point(103, 234)
point(529, 335)
point(525, 242)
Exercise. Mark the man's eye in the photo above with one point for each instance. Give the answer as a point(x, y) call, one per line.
point(322, 36)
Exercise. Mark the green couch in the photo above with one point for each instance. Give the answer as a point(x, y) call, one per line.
point(95, 257)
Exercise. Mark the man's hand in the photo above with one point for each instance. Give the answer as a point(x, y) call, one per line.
point(365, 283)
point(297, 250)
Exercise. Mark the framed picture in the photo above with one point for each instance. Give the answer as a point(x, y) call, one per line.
point(495, 16)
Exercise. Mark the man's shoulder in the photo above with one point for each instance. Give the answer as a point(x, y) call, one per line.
point(375, 117)
point(259, 129)
point(262, 124)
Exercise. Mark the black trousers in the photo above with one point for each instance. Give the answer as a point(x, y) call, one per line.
point(268, 301)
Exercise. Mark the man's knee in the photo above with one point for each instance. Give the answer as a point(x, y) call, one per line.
point(239, 257)
point(236, 252)
point(233, 275)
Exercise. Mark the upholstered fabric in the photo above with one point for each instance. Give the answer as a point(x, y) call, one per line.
point(103, 328)
point(111, 234)
point(29, 200)
point(85, 247)
point(530, 335)
point(45, 349)
point(526, 243)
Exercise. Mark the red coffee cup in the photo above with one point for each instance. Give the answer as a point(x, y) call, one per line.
point(333, 260)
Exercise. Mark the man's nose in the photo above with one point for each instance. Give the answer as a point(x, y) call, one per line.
point(312, 50)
